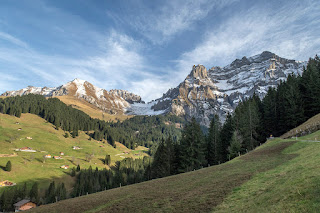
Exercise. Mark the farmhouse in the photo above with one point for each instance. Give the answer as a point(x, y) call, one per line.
point(26, 149)
point(64, 167)
point(47, 156)
point(57, 157)
point(24, 205)
point(61, 153)
point(7, 183)
point(19, 129)
point(29, 138)
point(76, 147)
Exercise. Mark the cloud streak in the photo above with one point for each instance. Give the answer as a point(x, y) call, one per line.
point(173, 18)
point(118, 65)
point(251, 32)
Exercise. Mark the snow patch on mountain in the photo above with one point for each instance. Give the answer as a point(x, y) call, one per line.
point(143, 109)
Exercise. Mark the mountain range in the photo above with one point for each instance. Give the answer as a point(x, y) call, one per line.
point(202, 94)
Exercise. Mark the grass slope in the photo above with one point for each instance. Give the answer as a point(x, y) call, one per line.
point(310, 126)
point(91, 110)
point(279, 176)
point(29, 167)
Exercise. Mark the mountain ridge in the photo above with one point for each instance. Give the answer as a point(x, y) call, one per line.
point(218, 90)
point(202, 94)
point(113, 101)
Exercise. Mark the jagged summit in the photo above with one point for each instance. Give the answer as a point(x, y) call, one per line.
point(199, 71)
point(218, 90)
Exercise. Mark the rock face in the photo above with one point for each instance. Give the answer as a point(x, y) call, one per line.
point(128, 96)
point(113, 102)
point(219, 90)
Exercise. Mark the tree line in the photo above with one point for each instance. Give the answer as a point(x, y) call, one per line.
point(125, 172)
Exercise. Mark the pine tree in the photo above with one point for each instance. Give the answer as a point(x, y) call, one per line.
point(214, 146)
point(160, 163)
point(51, 193)
point(107, 160)
point(8, 166)
point(225, 137)
point(310, 87)
point(73, 172)
point(248, 122)
point(235, 146)
point(270, 118)
point(34, 196)
point(192, 145)
point(172, 167)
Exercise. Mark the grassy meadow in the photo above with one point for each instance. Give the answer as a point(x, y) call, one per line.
point(279, 176)
point(30, 167)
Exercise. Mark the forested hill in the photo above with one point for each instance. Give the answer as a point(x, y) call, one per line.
point(139, 130)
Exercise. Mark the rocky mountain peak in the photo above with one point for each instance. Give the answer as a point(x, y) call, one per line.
point(199, 71)
point(219, 90)
point(240, 62)
point(128, 96)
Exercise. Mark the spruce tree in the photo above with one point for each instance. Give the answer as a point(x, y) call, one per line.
point(107, 160)
point(214, 146)
point(192, 146)
point(160, 165)
point(225, 137)
point(172, 167)
point(34, 196)
point(8, 166)
point(73, 172)
point(235, 146)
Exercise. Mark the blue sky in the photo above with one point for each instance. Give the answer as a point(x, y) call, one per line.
point(145, 47)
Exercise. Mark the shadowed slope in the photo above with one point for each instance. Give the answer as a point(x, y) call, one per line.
point(197, 191)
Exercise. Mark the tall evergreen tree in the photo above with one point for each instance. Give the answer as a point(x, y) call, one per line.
point(160, 163)
point(225, 137)
point(192, 147)
point(34, 194)
point(51, 193)
point(107, 160)
point(235, 146)
point(214, 146)
point(8, 166)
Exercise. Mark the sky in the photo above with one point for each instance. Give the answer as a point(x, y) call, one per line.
point(145, 47)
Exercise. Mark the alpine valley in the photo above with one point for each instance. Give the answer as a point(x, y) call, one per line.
point(202, 94)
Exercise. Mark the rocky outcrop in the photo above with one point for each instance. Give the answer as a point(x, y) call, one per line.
point(128, 96)
point(219, 90)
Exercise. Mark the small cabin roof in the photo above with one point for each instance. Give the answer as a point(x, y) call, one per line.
point(21, 202)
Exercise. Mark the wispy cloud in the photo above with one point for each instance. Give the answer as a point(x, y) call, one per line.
point(117, 65)
point(12, 40)
point(280, 30)
point(172, 18)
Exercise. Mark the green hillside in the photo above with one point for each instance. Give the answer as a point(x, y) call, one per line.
point(31, 167)
point(279, 176)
